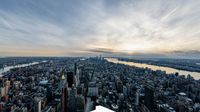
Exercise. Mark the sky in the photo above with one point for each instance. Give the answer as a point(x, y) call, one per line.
point(92, 27)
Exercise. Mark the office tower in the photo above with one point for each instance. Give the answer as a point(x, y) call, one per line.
point(3, 93)
point(119, 86)
point(92, 89)
point(72, 99)
point(62, 81)
point(75, 68)
point(149, 97)
point(37, 104)
point(125, 91)
point(80, 103)
point(137, 95)
point(49, 94)
point(70, 79)
point(64, 99)
point(7, 86)
point(80, 89)
point(64, 92)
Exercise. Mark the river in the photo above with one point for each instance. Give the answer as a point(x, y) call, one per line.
point(7, 68)
point(195, 75)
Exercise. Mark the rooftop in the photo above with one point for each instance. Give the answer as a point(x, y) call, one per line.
point(102, 109)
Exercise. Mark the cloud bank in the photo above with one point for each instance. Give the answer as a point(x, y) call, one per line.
point(88, 27)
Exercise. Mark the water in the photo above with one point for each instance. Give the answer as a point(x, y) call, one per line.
point(195, 75)
point(16, 66)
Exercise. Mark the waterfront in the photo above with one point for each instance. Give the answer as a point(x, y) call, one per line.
point(168, 70)
point(7, 68)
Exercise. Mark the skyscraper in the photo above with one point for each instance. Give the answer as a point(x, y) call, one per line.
point(70, 79)
point(80, 103)
point(62, 81)
point(137, 95)
point(75, 68)
point(37, 104)
point(149, 96)
point(72, 99)
point(64, 93)
point(64, 99)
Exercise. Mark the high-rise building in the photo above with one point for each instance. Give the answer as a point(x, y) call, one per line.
point(125, 91)
point(49, 95)
point(75, 68)
point(92, 89)
point(137, 95)
point(72, 99)
point(80, 103)
point(62, 81)
point(119, 86)
point(64, 99)
point(70, 79)
point(37, 104)
point(3, 93)
point(149, 96)
point(7, 86)
point(64, 93)
point(77, 77)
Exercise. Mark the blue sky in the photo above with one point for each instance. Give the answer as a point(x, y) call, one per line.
point(92, 27)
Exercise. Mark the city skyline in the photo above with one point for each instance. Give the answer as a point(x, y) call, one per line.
point(111, 28)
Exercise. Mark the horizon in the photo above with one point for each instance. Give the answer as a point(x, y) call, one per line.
point(132, 28)
point(123, 57)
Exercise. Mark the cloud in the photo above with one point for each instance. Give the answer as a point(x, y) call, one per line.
point(65, 27)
